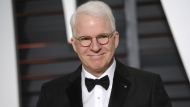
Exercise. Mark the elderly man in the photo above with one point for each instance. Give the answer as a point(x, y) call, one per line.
point(101, 80)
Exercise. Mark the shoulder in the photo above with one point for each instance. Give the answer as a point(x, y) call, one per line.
point(139, 78)
point(62, 82)
point(140, 72)
point(135, 73)
point(56, 83)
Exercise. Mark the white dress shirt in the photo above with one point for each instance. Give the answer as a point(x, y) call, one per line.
point(98, 97)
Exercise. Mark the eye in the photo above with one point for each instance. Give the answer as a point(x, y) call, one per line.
point(84, 38)
point(102, 36)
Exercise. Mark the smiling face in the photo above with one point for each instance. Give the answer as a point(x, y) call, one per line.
point(95, 58)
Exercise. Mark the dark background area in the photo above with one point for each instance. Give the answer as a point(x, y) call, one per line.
point(44, 53)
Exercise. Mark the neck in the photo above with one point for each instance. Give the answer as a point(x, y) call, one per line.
point(99, 72)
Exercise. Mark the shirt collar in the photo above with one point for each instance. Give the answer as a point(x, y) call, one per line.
point(110, 72)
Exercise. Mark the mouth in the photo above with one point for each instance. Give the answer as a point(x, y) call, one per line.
point(94, 55)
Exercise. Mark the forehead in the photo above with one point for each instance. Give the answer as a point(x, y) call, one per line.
point(86, 23)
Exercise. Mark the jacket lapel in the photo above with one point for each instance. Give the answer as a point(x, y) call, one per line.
point(74, 91)
point(119, 91)
point(120, 87)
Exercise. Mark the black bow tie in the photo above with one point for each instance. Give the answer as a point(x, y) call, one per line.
point(90, 83)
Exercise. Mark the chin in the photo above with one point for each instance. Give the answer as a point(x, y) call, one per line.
point(98, 65)
point(97, 69)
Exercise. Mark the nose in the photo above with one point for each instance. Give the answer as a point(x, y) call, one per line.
point(95, 46)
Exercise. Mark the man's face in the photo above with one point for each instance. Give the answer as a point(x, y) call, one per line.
point(96, 58)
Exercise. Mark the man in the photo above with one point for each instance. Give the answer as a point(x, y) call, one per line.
point(101, 80)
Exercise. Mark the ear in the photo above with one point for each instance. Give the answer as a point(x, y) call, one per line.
point(73, 44)
point(116, 39)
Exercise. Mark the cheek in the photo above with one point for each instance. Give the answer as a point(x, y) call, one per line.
point(81, 50)
point(112, 46)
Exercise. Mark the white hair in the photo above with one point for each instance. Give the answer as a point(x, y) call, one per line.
point(93, 8)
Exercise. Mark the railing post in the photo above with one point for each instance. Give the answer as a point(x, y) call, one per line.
point(132, 33)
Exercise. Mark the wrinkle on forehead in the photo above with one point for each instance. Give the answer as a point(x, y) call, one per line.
point(84, 20)
point(91, 22)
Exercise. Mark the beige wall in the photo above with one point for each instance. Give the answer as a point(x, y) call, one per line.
point(178, 16)
point(8, 67)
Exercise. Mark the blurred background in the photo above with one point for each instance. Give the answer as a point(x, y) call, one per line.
point(146, 42)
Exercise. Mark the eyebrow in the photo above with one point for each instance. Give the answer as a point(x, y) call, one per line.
point(96, 35)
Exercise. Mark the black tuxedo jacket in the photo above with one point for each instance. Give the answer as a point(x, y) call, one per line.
point(131, 88)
